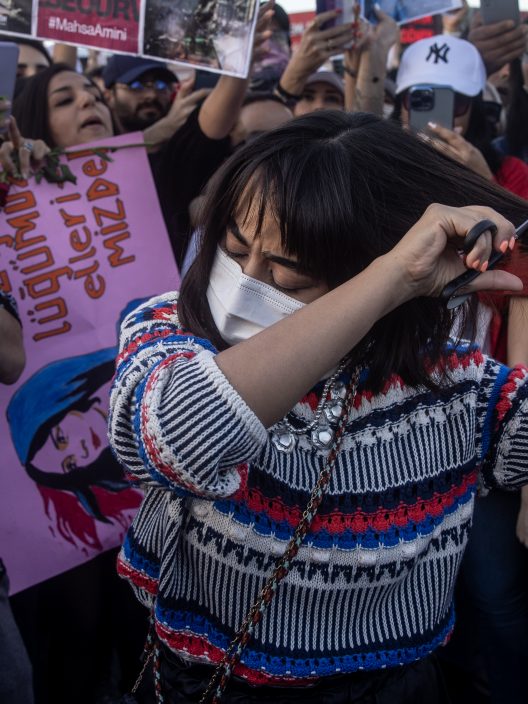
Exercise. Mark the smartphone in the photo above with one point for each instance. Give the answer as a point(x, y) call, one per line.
point(8, 73)
point(498, 10)
point(346, 7)
point(429, 103)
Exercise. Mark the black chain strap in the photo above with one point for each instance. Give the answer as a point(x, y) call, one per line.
point(223, 672)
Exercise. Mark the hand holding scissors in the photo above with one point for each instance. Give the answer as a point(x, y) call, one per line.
point(451, 292)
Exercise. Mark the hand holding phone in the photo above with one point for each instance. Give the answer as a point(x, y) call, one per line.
point(493, 11)
point(8, 72)
point(430, 103)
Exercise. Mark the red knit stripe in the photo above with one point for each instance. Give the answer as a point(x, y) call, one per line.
point(198, 646)
point(140, 579)
point(361, 521)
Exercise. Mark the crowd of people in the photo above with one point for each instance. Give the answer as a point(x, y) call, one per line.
point(333, 462)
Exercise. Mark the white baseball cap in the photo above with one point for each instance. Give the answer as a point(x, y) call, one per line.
point(442, 60)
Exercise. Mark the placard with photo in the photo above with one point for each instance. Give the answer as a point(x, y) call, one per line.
point(212, 34)
point(408, 10)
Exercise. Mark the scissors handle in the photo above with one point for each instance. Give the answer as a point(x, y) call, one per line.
point(449, 295)
point(449, 291)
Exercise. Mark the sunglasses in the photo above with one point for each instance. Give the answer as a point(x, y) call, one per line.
point(462, 103)
point(139, 86)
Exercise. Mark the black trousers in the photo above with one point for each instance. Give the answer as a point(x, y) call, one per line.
point(418, 683)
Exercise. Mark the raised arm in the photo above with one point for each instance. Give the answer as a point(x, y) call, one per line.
point(318, 44)
point(366, 67)
point(275, 368)
point(219, 112)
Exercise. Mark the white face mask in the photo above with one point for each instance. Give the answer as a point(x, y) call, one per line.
point(241, 306)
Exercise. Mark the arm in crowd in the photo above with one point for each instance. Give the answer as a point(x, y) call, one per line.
point(365, 66)
point(180, 110)
point(12, 356)
point(317, 46)
point(499, 42)
point(219, 112)
point(65, 54)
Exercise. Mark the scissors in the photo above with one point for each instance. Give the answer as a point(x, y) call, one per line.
point(449, 293)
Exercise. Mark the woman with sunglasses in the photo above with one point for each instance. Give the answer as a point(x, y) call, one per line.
point(444, 60)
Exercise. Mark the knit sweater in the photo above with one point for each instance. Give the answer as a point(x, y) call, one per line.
point(372, 585)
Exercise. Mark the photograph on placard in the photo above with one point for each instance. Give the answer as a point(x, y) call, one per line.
point(15, 16)
point(407, 10)
point(210, 34)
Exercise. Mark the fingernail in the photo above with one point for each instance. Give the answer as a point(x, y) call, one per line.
point(484, 266)
point(476, 264)
point(511, 244)
point(433, 125)
point(504, 246)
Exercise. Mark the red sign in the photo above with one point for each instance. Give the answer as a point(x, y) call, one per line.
point(299, 21)
point(106, 24)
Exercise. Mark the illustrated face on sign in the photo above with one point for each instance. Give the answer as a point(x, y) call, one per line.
point(58, 425)
point(77, 112)
point(75, 442)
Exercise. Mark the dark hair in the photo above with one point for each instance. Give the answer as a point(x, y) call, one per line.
point(517, 113)
point(30, 107)
point(345, 188)
point(26, 41)
point(482, 131)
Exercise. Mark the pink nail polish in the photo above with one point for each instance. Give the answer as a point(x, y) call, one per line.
point(484, 266)
point(512, 243)
point(476, 264)
point(504, 246)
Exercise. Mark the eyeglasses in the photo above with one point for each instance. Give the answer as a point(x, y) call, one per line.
point(138, 86)
point(461, 105)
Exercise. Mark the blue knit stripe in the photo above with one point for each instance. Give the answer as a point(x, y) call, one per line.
point(398, 654)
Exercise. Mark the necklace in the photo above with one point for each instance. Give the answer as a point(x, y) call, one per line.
point(321, 429)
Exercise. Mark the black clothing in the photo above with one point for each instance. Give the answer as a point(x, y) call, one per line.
point(181, 169)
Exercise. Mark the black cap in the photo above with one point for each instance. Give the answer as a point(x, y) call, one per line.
point(125, 69)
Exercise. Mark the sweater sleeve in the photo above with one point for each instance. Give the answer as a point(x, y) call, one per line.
point(505, 464)
point(175, 420)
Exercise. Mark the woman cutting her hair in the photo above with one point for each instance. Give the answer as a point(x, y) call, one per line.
point(301, 396)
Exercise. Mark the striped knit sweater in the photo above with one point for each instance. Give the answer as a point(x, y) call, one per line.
point(372, 586)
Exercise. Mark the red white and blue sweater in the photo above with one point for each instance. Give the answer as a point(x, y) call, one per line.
point(372, 586)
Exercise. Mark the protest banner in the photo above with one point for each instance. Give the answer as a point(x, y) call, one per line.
point(404, 11)
point(112, 25)
point(76, 257)
point(216, 35)
point(15, 16)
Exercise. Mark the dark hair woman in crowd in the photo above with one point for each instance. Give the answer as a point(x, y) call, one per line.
point(309, 351)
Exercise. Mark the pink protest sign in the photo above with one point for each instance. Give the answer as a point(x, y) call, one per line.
point(76, 257)
point(112, 25)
